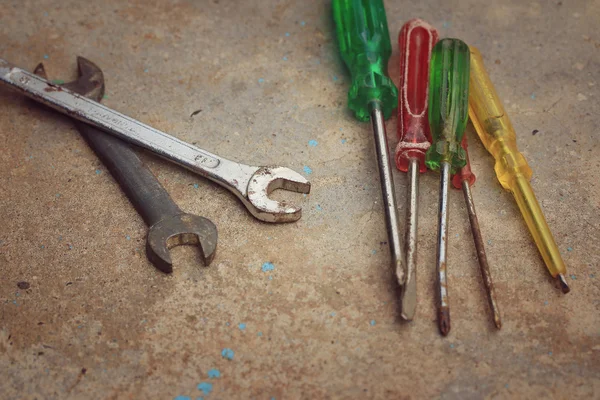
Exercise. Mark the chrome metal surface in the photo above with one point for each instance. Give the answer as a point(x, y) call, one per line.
point(442, 249)
point(251, 184)
point(388, 192)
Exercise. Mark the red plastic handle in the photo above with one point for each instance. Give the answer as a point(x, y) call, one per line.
point(465, 172)
point(416, 41)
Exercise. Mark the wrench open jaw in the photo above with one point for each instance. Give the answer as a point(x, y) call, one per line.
point(250, 184)
point(168, 225)
point(264, 181)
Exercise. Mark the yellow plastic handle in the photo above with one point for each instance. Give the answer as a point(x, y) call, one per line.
point(498, 136)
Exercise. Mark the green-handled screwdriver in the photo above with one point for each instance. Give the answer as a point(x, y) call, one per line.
point(364, 42)
point(448, 113)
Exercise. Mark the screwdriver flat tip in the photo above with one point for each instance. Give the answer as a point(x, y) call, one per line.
point(563, 284)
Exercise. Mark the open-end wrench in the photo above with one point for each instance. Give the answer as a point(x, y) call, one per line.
point(251, 184)
point(168, 225)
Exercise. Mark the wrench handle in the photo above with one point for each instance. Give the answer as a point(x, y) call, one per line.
point(144, 191)
point(229, 174)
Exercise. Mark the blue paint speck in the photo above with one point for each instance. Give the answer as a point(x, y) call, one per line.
point(319, 208)
point(145, 69)
point(284, 58)
point(42, 246)
point(214, 373)
point(227, 353)
point(335, 78)
point(206, 387)
point(98, 172)
point(268, 266)
point(373, 251)
point(506, 386)
point(182, 398)
point(549, 353)
point(226, 323)
point(196, 186)
point(70, 247)
point(46, 56)
point(261, 80)
point(287, 34)
point(451, 345)
point(446, 24)
point(128, 237)
point(242, 326)
point(332, 314)
point(57, 195)
point(313, 143)
point(45, 13)
point(573, 277)
point(532, 96)
point(344, 141)
point(302, 23)
point(259, 334)
point(569, 249)
point(307, 170)
point(270, 277)
point(372, 322)
point(546, 302)
point(490, 241)
point(592, 276)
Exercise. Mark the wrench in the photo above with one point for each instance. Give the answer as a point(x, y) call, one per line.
point(168, 225)
point(251, 184)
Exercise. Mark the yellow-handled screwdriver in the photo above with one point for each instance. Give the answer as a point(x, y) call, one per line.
point(498, 136)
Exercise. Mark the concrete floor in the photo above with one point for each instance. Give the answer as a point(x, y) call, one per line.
point(97, 321)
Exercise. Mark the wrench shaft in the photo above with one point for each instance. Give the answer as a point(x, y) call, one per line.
point(145, 192)
point(227, 173)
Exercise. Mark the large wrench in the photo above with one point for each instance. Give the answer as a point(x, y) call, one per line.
point(250, 184)
point(168, 226)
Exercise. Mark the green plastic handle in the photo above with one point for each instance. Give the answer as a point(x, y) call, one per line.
point(448, 103)
point(365, 46)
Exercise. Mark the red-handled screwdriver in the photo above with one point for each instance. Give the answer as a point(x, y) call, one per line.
point(464, 179)
point(416, 41)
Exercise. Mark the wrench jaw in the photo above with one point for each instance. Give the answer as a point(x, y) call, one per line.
point(182, 229)
point(266, 180)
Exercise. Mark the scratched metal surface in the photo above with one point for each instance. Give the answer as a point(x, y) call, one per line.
point(97, 321)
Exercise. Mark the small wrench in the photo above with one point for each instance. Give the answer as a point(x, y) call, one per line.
point(168, 225)
point(251, 184)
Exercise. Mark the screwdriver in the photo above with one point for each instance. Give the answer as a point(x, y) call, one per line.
point(416, 41)
point(498, 136)
point(464, 179)
point(448, 113)
point(364, 43)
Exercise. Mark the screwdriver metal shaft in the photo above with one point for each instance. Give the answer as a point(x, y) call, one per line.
point(387, 190)
point(464, 179)
point(481, 256)
point(442, 251)
point(409, 295)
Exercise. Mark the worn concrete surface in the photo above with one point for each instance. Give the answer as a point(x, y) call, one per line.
point(98, 321)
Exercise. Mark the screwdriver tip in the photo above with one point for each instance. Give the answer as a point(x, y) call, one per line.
point(444, 320)
point(497, 321)
point(563, 284)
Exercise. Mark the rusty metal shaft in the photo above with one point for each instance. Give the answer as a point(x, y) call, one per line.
point(409, 293)
point(442, 251)
point(481, 256)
